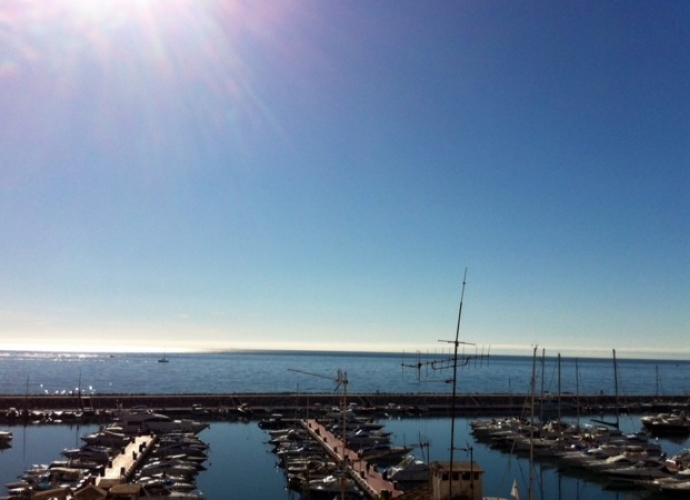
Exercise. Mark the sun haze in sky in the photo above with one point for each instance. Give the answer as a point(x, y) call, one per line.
point(181, 175)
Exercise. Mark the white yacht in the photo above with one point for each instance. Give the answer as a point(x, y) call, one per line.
point(133, 422)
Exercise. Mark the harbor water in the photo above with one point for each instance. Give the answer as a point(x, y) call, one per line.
point(241, 465)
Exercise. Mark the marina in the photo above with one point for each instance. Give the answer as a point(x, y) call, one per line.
point(233, 424)
point(238, 458)
point(138, 454)
point(237, 445)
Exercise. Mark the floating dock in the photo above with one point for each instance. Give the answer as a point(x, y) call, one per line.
point(366, 476)
point(123, 466)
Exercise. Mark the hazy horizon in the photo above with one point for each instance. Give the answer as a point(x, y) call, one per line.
point(408, 354)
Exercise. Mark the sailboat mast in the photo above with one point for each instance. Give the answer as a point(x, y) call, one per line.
point(577, 391)
point(81, 401)
point(657, 380)
point(26, 399)
point(559, 390)
point(541, 395)
point(615, 380)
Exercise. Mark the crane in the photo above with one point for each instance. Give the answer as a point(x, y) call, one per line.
point(340, 380)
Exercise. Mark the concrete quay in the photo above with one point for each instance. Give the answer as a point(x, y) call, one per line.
point(252, 405)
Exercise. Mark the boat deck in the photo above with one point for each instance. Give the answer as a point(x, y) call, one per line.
point(122, 467)
point(365, 475)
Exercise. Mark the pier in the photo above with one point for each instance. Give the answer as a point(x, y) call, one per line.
point(123, 466)
point(367, 477)
point(227, 406)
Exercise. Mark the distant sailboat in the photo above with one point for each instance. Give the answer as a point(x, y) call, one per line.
point(164, 359)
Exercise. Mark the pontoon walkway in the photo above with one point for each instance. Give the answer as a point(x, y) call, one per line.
point(122, 466)
point(366, 476)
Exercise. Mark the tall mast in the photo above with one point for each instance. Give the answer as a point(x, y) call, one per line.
point(577, 391)
point(455, 377)
point(559, 390)
point(531, 429)
point(81, 401)
point(615, 424)
point(541, 395)
point(615, 379)
point(657, 380)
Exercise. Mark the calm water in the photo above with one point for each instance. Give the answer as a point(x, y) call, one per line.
point(237, 372)
point(241, 465)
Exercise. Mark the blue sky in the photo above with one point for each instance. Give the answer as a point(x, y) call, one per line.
point(212, 174)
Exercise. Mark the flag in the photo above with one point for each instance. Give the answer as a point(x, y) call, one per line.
point(514, 492)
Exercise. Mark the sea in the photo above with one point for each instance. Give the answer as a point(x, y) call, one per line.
point(241, 465)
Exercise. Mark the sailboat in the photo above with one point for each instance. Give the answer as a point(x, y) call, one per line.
point(164, 359)
point(616, 424)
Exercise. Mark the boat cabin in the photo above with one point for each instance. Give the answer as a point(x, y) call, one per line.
point(462, 481)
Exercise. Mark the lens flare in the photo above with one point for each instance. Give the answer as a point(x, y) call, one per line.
point(136, 74)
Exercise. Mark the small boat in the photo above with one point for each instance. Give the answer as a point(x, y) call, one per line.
point(673, 485)
point(132, 422)
point(667, 424)
point(384, 453)
point(164, 359)
point(164, 494)
point(644, 470)
point(173, 467)
point(106, 437)
point(92, 453)
point(273, 422)
point(244, 410)
point(330, 486)
point(408, 470)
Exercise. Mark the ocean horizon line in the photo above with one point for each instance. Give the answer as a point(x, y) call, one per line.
point(479, 357)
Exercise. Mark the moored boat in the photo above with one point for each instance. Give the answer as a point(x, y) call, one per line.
point(409, 470)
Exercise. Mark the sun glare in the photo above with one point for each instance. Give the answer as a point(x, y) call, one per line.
point(145, 58)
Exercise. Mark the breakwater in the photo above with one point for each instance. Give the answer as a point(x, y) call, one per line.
point(256, 404)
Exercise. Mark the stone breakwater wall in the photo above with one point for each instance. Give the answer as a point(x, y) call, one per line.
point(247, 404)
